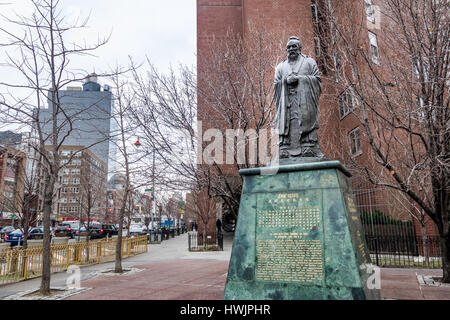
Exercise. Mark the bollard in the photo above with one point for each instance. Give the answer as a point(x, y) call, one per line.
point(220, 240)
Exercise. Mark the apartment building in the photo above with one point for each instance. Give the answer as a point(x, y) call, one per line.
point(12, 177)
point(81, 186)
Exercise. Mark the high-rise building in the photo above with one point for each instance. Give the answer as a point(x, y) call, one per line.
point(86, 113)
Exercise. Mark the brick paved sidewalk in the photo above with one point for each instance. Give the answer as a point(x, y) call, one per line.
point(403, 284)
point(205, 280)
point(162, 280)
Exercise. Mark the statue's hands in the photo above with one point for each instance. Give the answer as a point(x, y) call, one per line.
point(292, 79)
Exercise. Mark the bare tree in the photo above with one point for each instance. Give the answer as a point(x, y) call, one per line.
point(40, 53)
point(203, 208)
point(396, 87)
point(128, 157)
point(235, 92)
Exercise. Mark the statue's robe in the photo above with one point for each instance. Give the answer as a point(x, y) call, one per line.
point(302, 98)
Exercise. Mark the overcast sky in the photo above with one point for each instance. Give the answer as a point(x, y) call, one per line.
point(163, 30)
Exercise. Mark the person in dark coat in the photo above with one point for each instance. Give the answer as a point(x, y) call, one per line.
point(219, 225)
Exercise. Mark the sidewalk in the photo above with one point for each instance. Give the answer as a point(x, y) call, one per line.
point(403, 284)
point(170, 272)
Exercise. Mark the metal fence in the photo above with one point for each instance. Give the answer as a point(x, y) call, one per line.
point(390, 234)
point(397, 251)
point(212, 242)
point(17, 264)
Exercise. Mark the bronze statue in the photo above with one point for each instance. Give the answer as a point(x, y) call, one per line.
point(297, 91)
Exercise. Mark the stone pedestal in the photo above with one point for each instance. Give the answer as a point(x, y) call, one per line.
point(299, 237)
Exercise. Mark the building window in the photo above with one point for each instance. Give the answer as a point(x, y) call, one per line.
point(75, 171)
point(63, 200)
point(63, 209)
point(318, 48)
point(65, 181)
point(347, 102)
point(65, 153)
point(76, 162)
point(315, 14)
point(355, 142)
point(370, 12)
point(75, 180)
point(78, 154)
point(73, 209)
point(374, 48)
point(8, 195)
point(73, 200)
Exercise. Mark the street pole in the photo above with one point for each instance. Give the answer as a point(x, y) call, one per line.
point(153, 190)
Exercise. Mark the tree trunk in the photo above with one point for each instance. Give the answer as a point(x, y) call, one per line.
point(118, 264)
point(425, 243)
point(24, 250)
point(204, 234)
point(46, 262)
point(445, 252)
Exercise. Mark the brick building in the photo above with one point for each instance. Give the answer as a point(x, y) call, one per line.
point(81, 185)
point(12, 177)
point(340, 134)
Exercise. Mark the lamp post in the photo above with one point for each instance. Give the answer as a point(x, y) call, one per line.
point(153, 191)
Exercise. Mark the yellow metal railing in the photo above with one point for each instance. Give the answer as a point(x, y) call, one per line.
point(17, 264)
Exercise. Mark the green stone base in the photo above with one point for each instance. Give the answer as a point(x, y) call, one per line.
point(298, 237)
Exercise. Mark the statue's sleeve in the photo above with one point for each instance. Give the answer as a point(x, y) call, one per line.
point(280, 112)
point(312, 83)
point(315, 79)
point(278, 85)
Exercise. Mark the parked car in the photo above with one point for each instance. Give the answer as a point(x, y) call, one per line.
point(81, 232)
point(137, 230)
point(36, 233)
point(97, 232)
point(110, 230)
point(15, 237)
point(6, 230)
point(64, 230)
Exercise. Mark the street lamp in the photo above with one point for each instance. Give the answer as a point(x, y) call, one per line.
point(137, 143)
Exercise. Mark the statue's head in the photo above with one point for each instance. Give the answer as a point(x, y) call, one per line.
point(294, 47)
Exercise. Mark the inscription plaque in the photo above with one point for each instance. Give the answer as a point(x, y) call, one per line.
point(289, 247)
